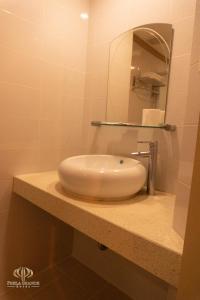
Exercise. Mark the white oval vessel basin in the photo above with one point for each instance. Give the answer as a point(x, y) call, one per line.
point(102, 176)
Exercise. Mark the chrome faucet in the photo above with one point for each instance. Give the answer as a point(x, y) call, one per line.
point(152, 162)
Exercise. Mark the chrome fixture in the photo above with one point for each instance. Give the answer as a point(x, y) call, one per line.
point(167, 127)
point(152, 162)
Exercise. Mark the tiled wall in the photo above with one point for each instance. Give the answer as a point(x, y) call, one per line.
point(42, 69)
point(108, 20)
point(190, 125)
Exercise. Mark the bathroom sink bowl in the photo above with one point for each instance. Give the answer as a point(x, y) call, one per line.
point(102, 176)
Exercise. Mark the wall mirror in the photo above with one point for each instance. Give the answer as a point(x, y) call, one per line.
point(139, 67)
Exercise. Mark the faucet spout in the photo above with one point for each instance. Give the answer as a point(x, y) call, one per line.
point(152, 164)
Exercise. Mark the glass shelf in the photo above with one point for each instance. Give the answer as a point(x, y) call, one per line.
point(167, 127)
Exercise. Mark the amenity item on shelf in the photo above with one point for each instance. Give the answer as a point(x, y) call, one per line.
point(152, 117)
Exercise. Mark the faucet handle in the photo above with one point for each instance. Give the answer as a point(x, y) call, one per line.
point(147, 142)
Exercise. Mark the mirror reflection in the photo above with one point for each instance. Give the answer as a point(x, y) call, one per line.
point(139, 69)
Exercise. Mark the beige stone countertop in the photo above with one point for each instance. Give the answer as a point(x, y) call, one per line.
point(139, 229)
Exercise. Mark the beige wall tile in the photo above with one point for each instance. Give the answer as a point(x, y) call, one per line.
point(179, 75)
point(98, 109)
point(50, 134)
point(35, 241)
point(49, 157)
point(18, 34)
point(18, 133)
point(18, 161)
point(42, 76)
point(181, 207)
point(5, 194)
point(74, 83)
point(31, 11)
point(19, 101)
point(57, 33)
point(103, 11)
point(185, 177)
point(97, 85)
point(196, 36)
point(187, 153)
point(176, 106)
point(181, 9)
point(19, 68)
point(182, 36)
point(52, 90)
point(168, 158)
point(189, 131)
point(72, 111)
point(193, 103)
point(189, 278)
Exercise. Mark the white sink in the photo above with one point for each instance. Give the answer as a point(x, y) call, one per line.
point(102, 176)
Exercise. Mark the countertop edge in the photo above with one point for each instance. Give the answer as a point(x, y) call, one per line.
point(135, 248)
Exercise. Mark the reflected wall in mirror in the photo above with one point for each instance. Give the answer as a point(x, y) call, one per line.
point(139, 67)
